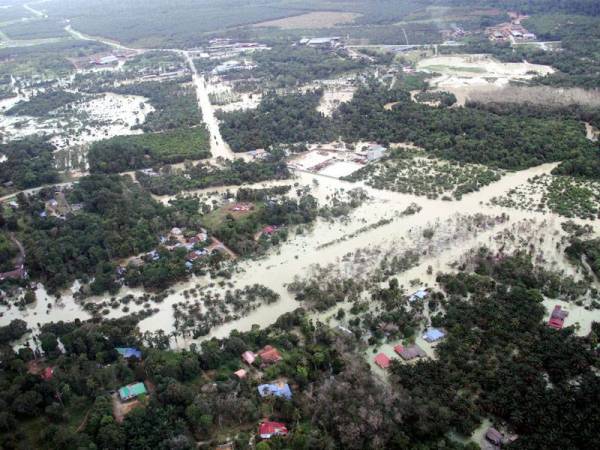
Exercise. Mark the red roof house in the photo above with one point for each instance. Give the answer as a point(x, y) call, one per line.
point(269, 355)
point(48, 373)
point(382, 361)
point(557, 318)
point(268, 429)
point(269, 229)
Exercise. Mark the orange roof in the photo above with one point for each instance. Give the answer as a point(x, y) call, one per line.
point(269, 354)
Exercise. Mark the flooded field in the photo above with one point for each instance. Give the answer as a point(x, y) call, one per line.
point(99, 118)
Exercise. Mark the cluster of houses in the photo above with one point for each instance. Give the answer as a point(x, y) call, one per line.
point(59, 207)
point(233, 65)
point(510, 31)
point(227, 48)
point(265, 357)
point(412, 351)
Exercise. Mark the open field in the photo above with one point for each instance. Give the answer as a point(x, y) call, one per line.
point(317, 19)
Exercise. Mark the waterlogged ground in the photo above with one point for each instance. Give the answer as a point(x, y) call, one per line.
point(355, 247)
point(98, 118)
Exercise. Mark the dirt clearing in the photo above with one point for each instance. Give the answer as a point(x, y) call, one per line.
point(319, 19)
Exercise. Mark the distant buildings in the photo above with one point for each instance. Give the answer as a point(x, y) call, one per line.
point(321, 42)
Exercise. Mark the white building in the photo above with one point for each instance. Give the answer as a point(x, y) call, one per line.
point(375, 152)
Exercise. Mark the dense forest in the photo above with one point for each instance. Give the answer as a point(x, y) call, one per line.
point(284, 66)
point(278, 119)
point(202, 176)
point(29, 163)
point(470, 135)
point(124, 153)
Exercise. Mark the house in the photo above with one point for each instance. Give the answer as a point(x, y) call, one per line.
point(132, 391)
point(494, 436)
point(129, 352)
point(375, 152)
point(275, 390)
point(248, 357)
point(382, 360)
point(529, 36)
point(324, 42)
point(433, 334)
point(409, 352)
point(259, 153)
point(419, 295)
point(241, 374)
point(269, 355)
point(47, 373)
point(269, 229)
point(268, 429)
point(557, 318)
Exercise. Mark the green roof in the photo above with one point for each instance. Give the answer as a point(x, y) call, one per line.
point(132, 390)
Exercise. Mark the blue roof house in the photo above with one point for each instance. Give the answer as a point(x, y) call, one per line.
point(433, 334)
point(129, 352)
point(275, 390)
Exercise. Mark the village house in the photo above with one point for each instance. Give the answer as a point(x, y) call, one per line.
point(421, 294)
point(248, 357)
point(241, 374)
point(433, 334)
point(132, 391)
point(409, 352)
point(557, 318)
point(382, 360)
point(129, 353)
point(279, 389)
point(268, 429)
point(269, 355)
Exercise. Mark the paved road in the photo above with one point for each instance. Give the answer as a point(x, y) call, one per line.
point(218, 147)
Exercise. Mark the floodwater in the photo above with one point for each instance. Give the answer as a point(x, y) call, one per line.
point(301, 253)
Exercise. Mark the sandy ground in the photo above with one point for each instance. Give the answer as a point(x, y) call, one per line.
point(332, 98)
point(317, 19)
point(463, 75)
